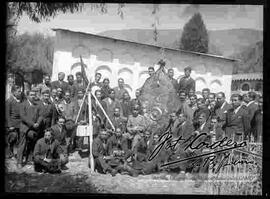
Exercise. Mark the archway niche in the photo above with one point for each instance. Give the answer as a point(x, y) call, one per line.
point(105, 72)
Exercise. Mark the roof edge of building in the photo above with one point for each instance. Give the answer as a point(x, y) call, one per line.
point(179, 50)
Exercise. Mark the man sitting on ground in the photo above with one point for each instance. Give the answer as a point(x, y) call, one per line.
point(47, 154)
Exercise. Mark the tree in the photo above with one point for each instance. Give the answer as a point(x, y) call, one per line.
point(195, 36)
point(26, 53)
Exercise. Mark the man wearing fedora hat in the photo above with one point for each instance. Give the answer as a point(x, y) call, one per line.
point(187, 83)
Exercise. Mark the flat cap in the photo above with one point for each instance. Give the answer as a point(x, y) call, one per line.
point(187, 68)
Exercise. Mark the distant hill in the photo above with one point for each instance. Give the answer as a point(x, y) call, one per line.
point(222, 42)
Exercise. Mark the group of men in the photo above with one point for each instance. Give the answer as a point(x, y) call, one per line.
point(42, 126)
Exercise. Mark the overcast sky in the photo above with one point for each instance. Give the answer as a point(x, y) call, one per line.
point(171, 16)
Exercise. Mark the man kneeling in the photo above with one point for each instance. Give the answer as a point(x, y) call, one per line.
point(48, 156)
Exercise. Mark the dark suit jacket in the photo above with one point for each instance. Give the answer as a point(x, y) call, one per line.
point(98, 149)
point(252, 108)
point(238, 123)
point(197, 114)
point(46, 115)
point(126, 107)
point(59, 135)
point(257, 125)
point(29, 116)
point(42, 148)
point(186, 85)
point(221, 113)
point(111, 106)
point(13, 112)
point(56, 84)
point(84, 111)
point(185, 130)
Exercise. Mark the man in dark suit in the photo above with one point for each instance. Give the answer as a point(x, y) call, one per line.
point(117, 120)
point(47, 112)
point(222, 108)
point(111, 103)
point(97, 81)
point(205, 94)
point(101, 154)
point(201, 108)
point(48, 155)
point(137, 101)
point(60, 83)
point(186, 83)
point(201, 172)
point(60, 134)
point(173, 81)
point(252, 106)
point(71, 86)
point(257, 122)
point(185, 130)
point(29, 127)
point(126, 105)
point(105, 89)
point(237, 123)
point(120, 90)
point(79, 83)
point(98, 109)
point(13, 119)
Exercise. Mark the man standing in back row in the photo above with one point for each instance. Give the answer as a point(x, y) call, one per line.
point(186, 83)
point(60, 83)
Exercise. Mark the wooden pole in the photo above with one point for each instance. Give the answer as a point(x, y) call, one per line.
point(91, 159)
point(82, 103)
point(104, 112)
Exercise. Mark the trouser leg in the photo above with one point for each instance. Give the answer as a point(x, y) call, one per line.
point(11, 142)
point(101, 165)
point(21, 149)
point(32, 137)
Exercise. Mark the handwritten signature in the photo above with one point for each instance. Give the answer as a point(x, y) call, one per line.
point(199, 143)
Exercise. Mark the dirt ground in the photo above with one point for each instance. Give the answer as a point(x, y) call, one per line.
point(79, 179)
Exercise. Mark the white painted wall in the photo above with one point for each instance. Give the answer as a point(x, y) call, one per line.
point(114, 59)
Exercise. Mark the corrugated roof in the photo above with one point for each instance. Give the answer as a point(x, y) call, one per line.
point(192, 52)
point(248, 76)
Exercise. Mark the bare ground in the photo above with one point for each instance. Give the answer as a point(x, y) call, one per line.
point(78, 179)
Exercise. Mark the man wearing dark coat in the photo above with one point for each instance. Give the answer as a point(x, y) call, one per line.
point(48, 156)
point(79, 83)
point(252, 106)
point(120, 90)
point(60, 83)
point(29, 127)
point(137, 101)
point(201, 171)
point(117, 120)
point(60, 134)
point(257, 122)
point(101, 154)
point(98, 109)
point(237, 124)
point(105, 89)
point(111, 103)
point(186, 83)
point(222, 108)
point(13, 119)
point(126, 105)
point(202, 108)
point(47, 112)
point(71, 86)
